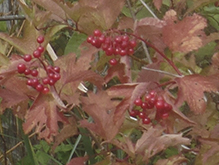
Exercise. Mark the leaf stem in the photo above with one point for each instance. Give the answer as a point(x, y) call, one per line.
point(147, 7)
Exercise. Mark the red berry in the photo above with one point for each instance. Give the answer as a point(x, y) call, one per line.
point(146, 120)
point(134, 113)
point(153, 93)
point(123, 52)
point(167, 107)
point(152, 101)
point(130, 51)
point(109, 51)
point(40, 39)
point(29, 82)
point(147, 97)
point(90, 39)
point(36, 54)
point(56, 77)
point(50, 75)
point(39, 87)
point(125, 38)
point(49, 69)
point(51, 82)
point(144, 106)
point(138, 102)
point(124, 45)
point(160, 105)
point(113, 61)
point(142, 115)
point(27, 57)
point(21, 68)
point(45, 90)
point(132, 43)
point(45, 80)
point(102, 38)
point(35, 82)
point(97, 33)
point(27, 71)
point(56, 69)
point(34, 73)
point(41, 49)
point(118, 39)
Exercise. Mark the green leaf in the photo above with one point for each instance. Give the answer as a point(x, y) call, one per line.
point(74, 43)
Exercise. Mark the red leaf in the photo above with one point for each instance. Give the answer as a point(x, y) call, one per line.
point(192, 88)
point(158, 4)
point(44, 116)
point(189, 32)
point(153, 142)
point(78, 161)
point(117, 71)
point(105, 113)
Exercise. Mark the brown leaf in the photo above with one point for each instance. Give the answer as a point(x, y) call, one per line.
point(173, 160)
point(192, 88)
point(189, 32)
point(152, 142)
point(78, 161)
point(106, 115)
point(44, 116)
point(157, 4)
point(126, 23)
point(69, 130)
point(117, 71)
point(151, 29)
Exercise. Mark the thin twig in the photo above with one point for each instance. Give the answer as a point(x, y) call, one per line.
point(146, 52)
point(163, 72)
point(12, 17)
point(147, 7)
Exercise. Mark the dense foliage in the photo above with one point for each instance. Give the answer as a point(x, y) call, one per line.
point(111, 82)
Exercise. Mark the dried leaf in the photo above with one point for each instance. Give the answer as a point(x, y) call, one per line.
point(152, 142)
point(44, 117)
point(107, 120)
point(173, 160)
point(192, 88)
point(67, 131)
point(158, 4)
point(78, 161)
point(189, 32)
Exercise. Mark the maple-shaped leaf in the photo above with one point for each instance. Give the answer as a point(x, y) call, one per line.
point(67, 131)
point(117, 71)
point(105, 113)
point(152, 142)
point(192, 88)
point(44, 116)
point(186, 35)
point(151, 29)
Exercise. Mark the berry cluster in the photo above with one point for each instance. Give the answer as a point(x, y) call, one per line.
point(151, 101)
point(112, 45)
point(32, 74)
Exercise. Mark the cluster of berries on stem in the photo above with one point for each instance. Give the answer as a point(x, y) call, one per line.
point(114, 44)
point(150, 101)
point(41, 84)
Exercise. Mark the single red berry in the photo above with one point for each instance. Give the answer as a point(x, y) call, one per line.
point(50, 75)
point(29, 82)
point(56, 69)
point(152, 101)
point(138, 102)
point(35, 82)
point(130, 51)
point(27, 57)
point(51, 82)
point(123, 52)
point(118, 39)
point(102, 38)
point(34, 73)
point(56, 77)
point(124, 45)
point(153, 93)
point(142, 115)
point(167, 107)
point(134, 113)
point(96, 42)
point(27, 71)
point(146, 120)
point(45, 90)
point(97, 33)
point(40, 39)
point(113, 61)
point(109, 51)
point(45, 80)
point(147, 97)
point(41, 49)
point(89, 39)
point(36, 54)
point(49, 69)
point(132, 43)
point(125, 38)
point(39, 87)
point(21, 68)
point(144, 105)
point(160, 105)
